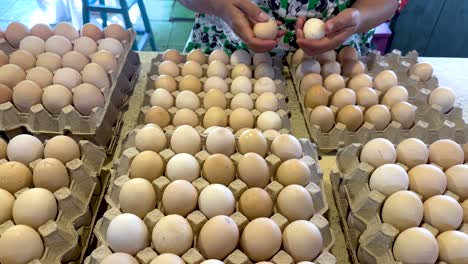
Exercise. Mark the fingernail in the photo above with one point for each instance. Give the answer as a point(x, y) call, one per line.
point(263, 16)
point(329, 27)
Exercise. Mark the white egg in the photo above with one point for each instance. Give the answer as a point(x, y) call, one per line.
point(215, 82)
point(241, 70)
point(444, 97)
point(218, 54)
point(378, 151)
point(242, 100)
point(161, 97)
point(111, 45)
point(388, 179)
point(266, 30)
point(187, 99)
point(306, 67)
point(217, 68)
point(269, 120)
point(267, 102)
point(240, 56)
point(216, 199)
point(127, 233)
point(183, 166)
point(314, 28)
point(264, 70)
point(262, 58)
point(395, 95)
point(264, 85)
point(186, 139)
point(241, 84)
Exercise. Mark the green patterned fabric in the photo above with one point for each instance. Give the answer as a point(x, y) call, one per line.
point(211, 32)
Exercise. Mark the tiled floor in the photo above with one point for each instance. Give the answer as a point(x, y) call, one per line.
point(171, 22)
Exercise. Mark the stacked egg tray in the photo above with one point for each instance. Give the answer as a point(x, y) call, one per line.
point(197, 219)
point(66, 238)
point(430, 123)
point(368, 239)
point(102, 126)
point(283, 110)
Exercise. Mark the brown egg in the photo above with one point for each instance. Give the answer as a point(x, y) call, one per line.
point(190, 83)
point(443, 212)
point(385, 80)
point(92, 31)
point(49, 60)
point(179, 197)
point(50, 174)
point(218, 237)
point(86, 97)
point(241, 118)
point(242, 100)
point(215, 82)
point(403, 210)
point(295, 203)
point(303, 241)
point(457, 181)
point(172, 234)
point(66, 30)
point(111, 45)
point(67, 77)
point(344, 97)
point(446, 153)
point(186, 139)
point(255, 203)
point(40, 75)
point(25, 95)
point(197, 55)
point(172, 55)
point(185, 116)
point(147, 165)
point(214, 97)
point(359, 81)
point(317, 95)
point(328, 56)
point(34, 207)
point(366, 97)
point(261, 239)
point(20, 244)
point(15, 32)
point(310, 80)
point(14, 176)
point(334, 82)
point(443, 97)
point(56, 97)
point(74, 60)
point(42, 31)
point(157, 115)
point(150, 137)
point(293, 171)
point(63, 148)
point(415, 245)
point(412, 152)
point(6, 206)
point(323, 117)
point(166, 82)
point(58, 44)
point(252, 140)
point(347, 53)
point(379, 116)
point(404, 114)
point(452, 247)
point(331, 67)
point(139, 205)
point(192, 68)
point(427, 180)
point(353, 68)
point(116, 31)
point(23, 58)
point(253, 170)
point(96, 75)
point(5, 94)
point(286, 147)
point(168, 68)
point(351, 116)
point(218, 168)
point(4, 59)
point(33, 45)
point(215, 116)
point(11, 75)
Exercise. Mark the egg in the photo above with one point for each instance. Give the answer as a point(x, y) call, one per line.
point(216, 199)
point(86, 97)
point(167, 258)
point(264, 85)
point(119, 258)
point(18, 145)
point(15, 32)
point(310, 80)
point(56, 97)
point(242, 100)
point(85, 46)
point(166, 82)
point(267, 102)
point(427, 180)
point(352, 68)
point(465, 150)
point(187, 99)
point(262, 58)
point(33, 45)
point(40, 75)
point(14, 176)
point(157, 115)
point(218, 55)
point(20, 244)
point(241, 118)
point(252, 140)
point(379, 116)
point(359, 81)
point(25, 95)
point(67, 77)
point(457, 181)
point(261, 239)
point(241, 70)
point(334, 82)
point(347, 53)
point(58, 45)
point(185, 139)
point(218, 237)
point(302, 240)
point(295, 203)
point(253, 170)
point(323, 117)
point(214, 98)
point(168, 68)
point(172, 55)
point(221, 140)
point(212, 261)
point(111, 45)
point(404, 114)
point(327, 56)
point(11, 75)
point(316, 96)
point(190, 83)
point(162, 98)
point(255, 203)
point(351, 116)
point(443, 97)
point(344, 97)
point(266, 30)
point(446, 153)
point(150, 137)
point(412, 152)
point(395, 95)
point(403, 210)
point(192, 68)
point(185, 117)
point(366, 97)
point(197, 55)
point(34, 207)
point(172, 234)
point(415, 245)
point(139, 205)
point(293, 171)
point(42, 31)
point(388, 179)
point(377, 152)
point(23, 58)
point(217, 69)
point(215, 116)
point(286, 147)
point(3, 148)
point(105, 59)
point(92, 31)
point(127, 233)
point(385, 80)
point(465, 211)
point(4, 59)
point(66, 30)
point(331, 67)
point(218, 168)
point(49, 60)
point(306, 67)
point(240, 56)
point(314, 29)
point(63, 148)
point(96, 75)
point(422, 71)
point(269, 120)
point(6, 206)
point(179, 197)
point(183, 166)
point(452, 247)
point(50, 174)
point(146, 165)
point(116, 31)
point(241, 84)
point(271, 134)
point(299, 56)
point(215, 82)
point(5, 94)
point(443, 212)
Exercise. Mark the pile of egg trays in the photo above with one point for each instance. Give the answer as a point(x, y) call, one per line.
point(369, 240)
point(197, 218)
point(66, 238)
point(430, 123)
point(104, 123)
point(283, 110)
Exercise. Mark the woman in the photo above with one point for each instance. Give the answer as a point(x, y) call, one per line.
point(348, 22)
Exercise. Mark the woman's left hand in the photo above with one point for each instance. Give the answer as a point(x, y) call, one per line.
point(337, 29)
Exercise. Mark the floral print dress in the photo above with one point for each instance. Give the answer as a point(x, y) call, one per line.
point(210, 32)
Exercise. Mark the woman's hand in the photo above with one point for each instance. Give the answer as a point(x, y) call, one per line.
point(337, 29)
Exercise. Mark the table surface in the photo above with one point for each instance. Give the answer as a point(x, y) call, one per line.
point(450, 71)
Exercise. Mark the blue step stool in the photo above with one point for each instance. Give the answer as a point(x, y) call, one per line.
point(125, 5)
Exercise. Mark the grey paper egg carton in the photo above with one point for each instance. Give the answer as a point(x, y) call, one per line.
point(102, 126)
point(368, 239)
point(197, 218)
point(66, 238)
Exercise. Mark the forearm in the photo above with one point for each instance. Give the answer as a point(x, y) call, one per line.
point(202, 6)
point(374, 12)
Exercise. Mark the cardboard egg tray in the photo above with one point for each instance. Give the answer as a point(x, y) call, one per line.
point(101, 127)
point(197, 218)
point(66, 238)
point(368, 239)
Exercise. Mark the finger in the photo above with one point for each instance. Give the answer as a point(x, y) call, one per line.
point(314, 47)
point(300, 23)
point(252, 10)
point(342, 20)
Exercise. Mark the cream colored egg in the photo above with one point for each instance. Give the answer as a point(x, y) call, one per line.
point(457, 181)
point(295, 203)
point(220, 55)
point(443, 212)
point(219, 168)
point(66, 30)
point(241, 84)
point(58, 45)
point(7, 205)
point(261, 239)
point(379, 116)
point(20, 244)
point(41, 30)
point(452, 247)
point(264, 70)
point(168, 68)
point(150, 137)
point(157, 115)
point(215, 98)
point(389, 179)
point(11, 75)
point(166, 82)
point(443, 97)
point(63, 148)
point(212, 261)
point(306, 67)
point(167, 258)
point(465, 210)
point(183, 166)
point(92, 31)
point(187, 99)
point(215, 82)
point(267, 102)
point(352, 68)
point(385, 80)
point(3, 148)
point(264, 85)
point(25, 95)
point(314, 28)
point(299, 56)
point(119, 258)
point(14, 176)
point(116, 31)
point(86, 97)
point(241, 70)
point(331, 67)
point(221, 140)
point(34, 207)
point(111, 45)
point(139, 205)
point(185, 117)
point(67, 77)
point(197, 55)
point(255, 203)
point(106, 60)
point(412, 152)
point(242, 100)
point(260, 58)
point(422, 71)
point(55, 97)
point(49, 60)
point(50, 174)
point(95, 75)
point(323, 117)
point(241, 118)
point(266, 30)
point(127, 233)
point(74, 60)
point(192, 68)
point(286, 147)
point(23, 58)
point(378, 152)
point(334, 82)
point(218, 237)
point(172, 55)
point(216, 199)
point(395, 95)
point(293, 171)
point(403, 113)
point(253, 170)
point(403, 210)
point(185, 139)
point(162, 98)
point(310, 80)
point(218, 69)
point(269, 120)
point(327, 56)
point(179, 197)
point(366, 97)
point(25, 148)
point(190, 83)
point(15, 32)
point(351, 116)
point(344, 97)
point(427, 180)
point(146, 165)
point(240, 57)
point(252, 140)
point(415, 245)
point(446, 153)
point(215, 116)
point(33, 45)
point(85, 46)
point(348, 53)
point(302, 240)
point(172, 234)
point(359, 81)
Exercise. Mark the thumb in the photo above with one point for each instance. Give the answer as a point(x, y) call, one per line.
point(252, 11)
